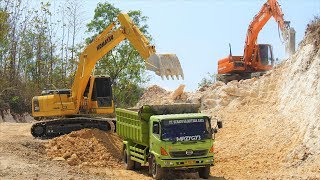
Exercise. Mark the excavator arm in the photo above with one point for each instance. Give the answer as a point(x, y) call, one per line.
point(162, 64)
point(270, 9)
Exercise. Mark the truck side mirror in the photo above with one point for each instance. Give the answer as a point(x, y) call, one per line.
point(214, 130)
point(155, 128)
point(219, 124)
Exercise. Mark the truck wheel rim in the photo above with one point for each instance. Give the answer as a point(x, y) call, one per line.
point(154, 167)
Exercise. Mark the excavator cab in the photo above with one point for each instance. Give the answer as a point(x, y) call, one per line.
point(98, 96)
point(265, 55)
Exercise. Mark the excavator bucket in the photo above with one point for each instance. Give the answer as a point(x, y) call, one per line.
point(165, 65)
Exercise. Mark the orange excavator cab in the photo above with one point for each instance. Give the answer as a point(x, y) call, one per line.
point(264, 57)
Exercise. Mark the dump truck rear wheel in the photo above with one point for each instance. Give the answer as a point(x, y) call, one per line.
point(204, 172)
point(129, 164)
point(156, 170)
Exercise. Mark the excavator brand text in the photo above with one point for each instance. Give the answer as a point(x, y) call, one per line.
point(106, 41)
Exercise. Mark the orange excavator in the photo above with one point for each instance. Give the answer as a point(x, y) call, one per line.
point(257, 58)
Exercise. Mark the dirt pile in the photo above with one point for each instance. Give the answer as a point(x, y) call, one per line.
point(87, 147)
point(272, 123)
point(156, 95)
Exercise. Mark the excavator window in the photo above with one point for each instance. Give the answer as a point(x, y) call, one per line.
point(265, 52)
point(102, 91)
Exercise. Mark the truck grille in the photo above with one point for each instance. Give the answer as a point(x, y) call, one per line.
point(184, 154)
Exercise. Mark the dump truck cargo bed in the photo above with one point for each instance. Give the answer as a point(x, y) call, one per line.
point(131, 126)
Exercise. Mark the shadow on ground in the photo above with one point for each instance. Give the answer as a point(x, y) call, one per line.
point(177, 174)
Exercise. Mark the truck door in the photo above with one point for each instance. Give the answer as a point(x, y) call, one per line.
point(155, 142)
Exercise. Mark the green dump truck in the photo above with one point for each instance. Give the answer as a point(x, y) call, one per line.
point(167, 137)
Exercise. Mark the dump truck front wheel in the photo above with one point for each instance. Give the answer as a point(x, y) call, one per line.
point(129, 164)
point(156, 170)
point(204, 172)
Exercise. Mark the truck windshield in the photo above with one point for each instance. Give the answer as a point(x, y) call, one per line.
point(185, 129)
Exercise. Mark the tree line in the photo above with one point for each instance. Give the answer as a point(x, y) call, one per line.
point(40, 46)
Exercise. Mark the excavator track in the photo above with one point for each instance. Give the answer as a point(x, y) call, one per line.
point(58, 127)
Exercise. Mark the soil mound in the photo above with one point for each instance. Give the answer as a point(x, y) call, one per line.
point(87, 147)
point(156, 95)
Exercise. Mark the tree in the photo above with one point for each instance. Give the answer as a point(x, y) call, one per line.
point(123, 64)
point(4, 31)
point(26, 53)
point(207, 81)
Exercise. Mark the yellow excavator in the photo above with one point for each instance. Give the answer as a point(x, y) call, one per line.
point(90, 95)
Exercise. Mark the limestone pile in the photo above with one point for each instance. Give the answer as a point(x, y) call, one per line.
point(156, 95)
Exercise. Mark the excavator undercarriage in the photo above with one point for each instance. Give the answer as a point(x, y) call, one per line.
point(60, 126)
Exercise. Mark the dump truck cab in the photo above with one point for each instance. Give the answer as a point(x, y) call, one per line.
point(167, 137)
point(181, 140)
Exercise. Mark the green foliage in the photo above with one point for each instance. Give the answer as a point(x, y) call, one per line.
point(207, 81)
point(4, 25)
point(123, 64)
point(28, 54)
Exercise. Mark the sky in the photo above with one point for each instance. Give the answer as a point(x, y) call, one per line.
point(199, 31)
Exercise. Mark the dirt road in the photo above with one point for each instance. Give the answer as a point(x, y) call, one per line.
point(24, 157)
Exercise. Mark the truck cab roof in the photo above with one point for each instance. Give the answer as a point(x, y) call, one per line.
point(180, 116)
